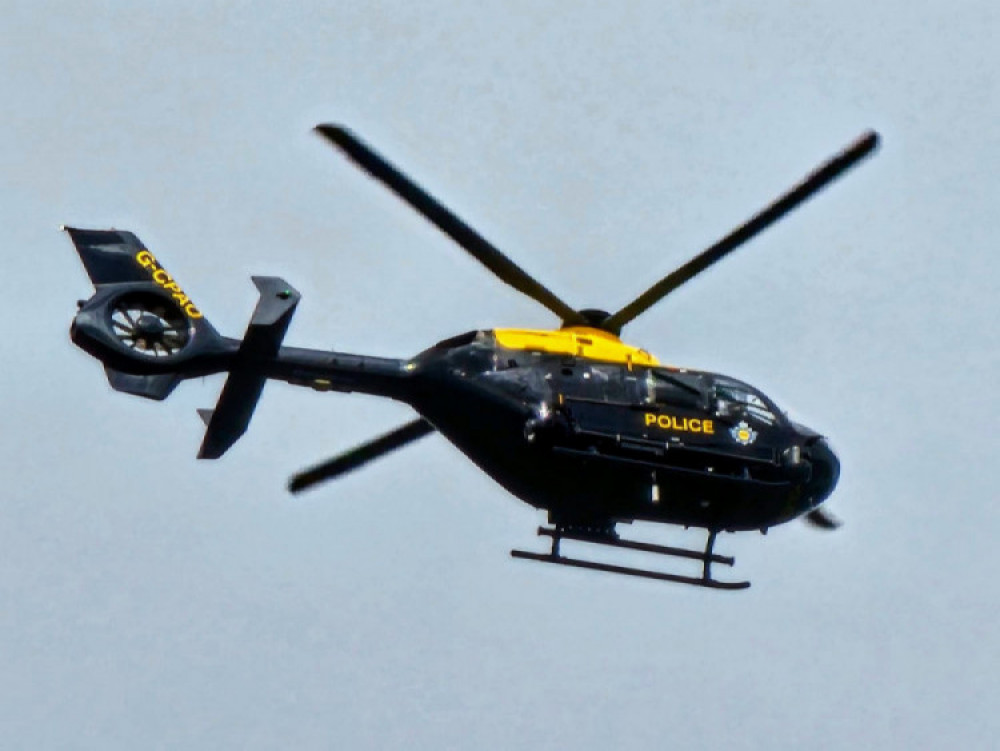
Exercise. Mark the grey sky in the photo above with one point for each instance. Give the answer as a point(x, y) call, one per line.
point(153, 601)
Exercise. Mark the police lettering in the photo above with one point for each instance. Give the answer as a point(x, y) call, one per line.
point(681, 424)
point(148, 261)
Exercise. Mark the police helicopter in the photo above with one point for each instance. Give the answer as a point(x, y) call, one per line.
point(571, 420)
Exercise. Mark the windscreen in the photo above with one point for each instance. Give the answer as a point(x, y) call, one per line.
point(735, 399)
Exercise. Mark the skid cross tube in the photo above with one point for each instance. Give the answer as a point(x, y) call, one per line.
point(696, 555)
point(707, 557)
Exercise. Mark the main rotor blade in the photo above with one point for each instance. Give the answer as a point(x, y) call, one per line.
point(432, 209)
point(822, 519)
point(360, 455)
point(814, 182)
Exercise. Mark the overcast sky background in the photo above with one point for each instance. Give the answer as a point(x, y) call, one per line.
point(153, 601)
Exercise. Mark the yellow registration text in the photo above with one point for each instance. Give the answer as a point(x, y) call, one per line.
point(148, 261)
point(681, 424)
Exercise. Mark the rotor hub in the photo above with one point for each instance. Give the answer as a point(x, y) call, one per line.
point(150, 326)
point(594, 318)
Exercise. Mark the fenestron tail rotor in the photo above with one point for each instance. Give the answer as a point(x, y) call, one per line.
point(149, 325)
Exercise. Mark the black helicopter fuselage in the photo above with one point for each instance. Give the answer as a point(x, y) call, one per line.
point(597, 442)
point(570, 420)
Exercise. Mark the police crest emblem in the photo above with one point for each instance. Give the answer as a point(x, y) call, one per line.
point(743, 434)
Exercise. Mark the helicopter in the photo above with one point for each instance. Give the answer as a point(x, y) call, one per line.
point(569, 420)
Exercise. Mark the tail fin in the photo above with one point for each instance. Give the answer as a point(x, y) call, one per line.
point(119, 257)
point(112, 256)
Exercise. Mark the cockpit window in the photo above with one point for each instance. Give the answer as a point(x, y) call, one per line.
point(733, 398)
point(608, 383)
point(683, 389)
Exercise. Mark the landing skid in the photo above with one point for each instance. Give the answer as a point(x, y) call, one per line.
point(707, 557)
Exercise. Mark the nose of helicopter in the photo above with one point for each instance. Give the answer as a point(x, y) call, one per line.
point(825, 471)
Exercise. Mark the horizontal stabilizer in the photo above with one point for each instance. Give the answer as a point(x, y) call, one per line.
point(248, 373)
